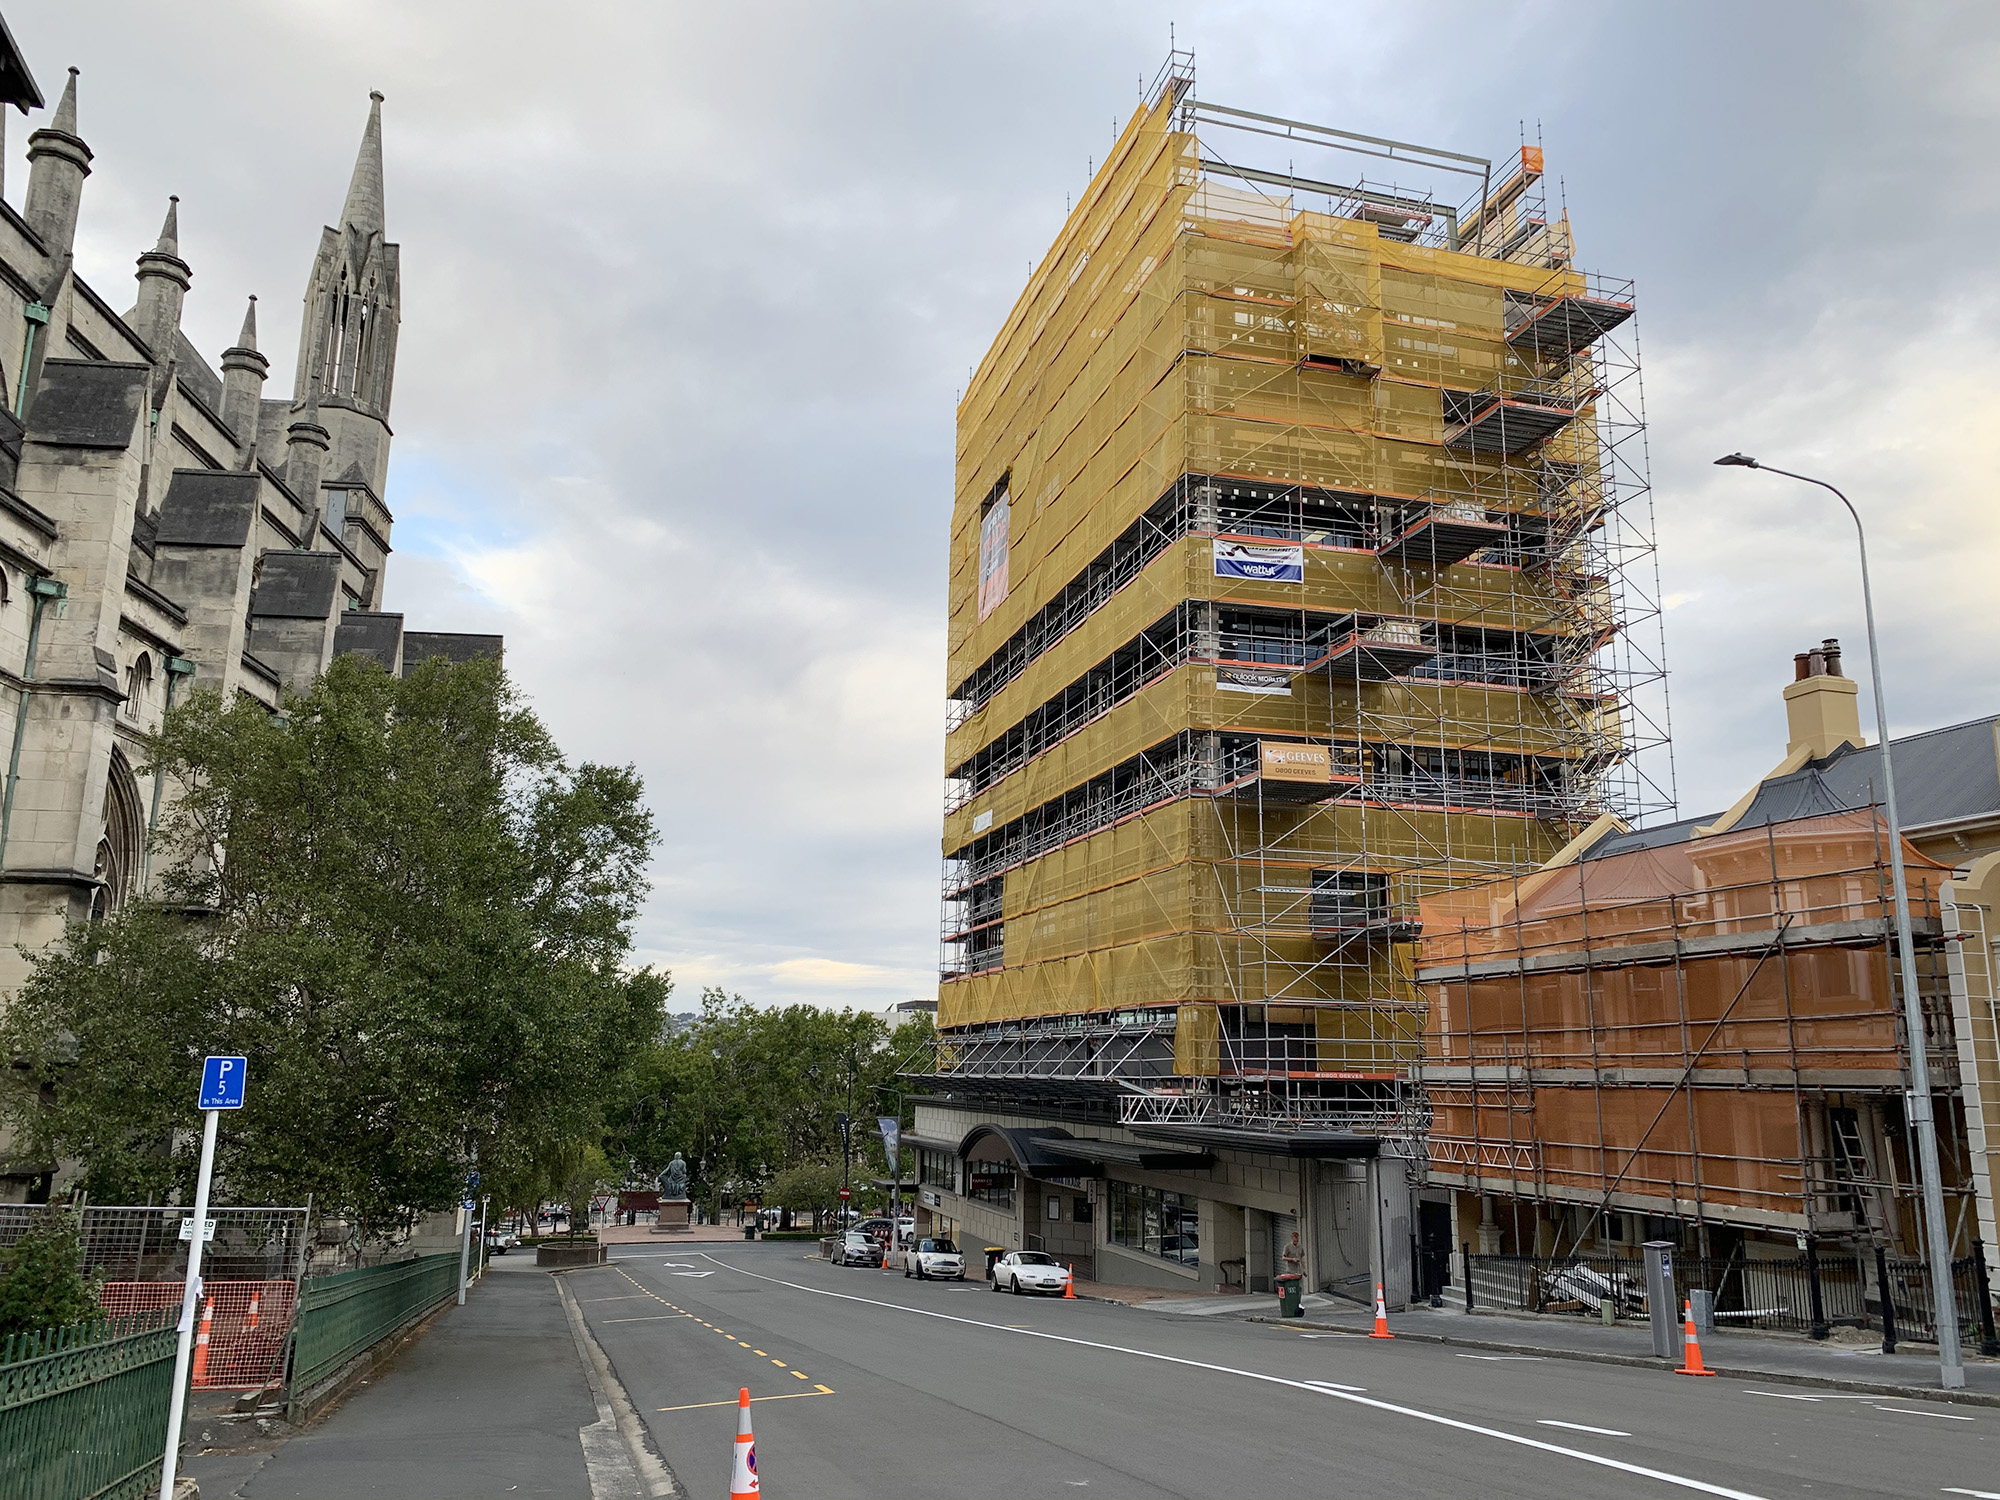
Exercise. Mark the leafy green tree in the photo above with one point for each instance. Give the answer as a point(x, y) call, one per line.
point(747, 1093)
point(812, 1187)
point(42, 1284)
point(401, 904)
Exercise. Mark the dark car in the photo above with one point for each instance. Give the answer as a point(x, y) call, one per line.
point(857, 1249)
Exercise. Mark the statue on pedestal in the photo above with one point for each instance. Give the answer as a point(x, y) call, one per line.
point(674, 1205)
point(674, 1181)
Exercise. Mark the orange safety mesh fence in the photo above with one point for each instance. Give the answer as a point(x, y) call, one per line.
point(248, 1323)
point(1642, 1021)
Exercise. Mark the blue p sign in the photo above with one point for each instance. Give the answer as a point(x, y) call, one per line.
point(222, 1082)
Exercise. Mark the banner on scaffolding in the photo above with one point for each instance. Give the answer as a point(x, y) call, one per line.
point(1253, 680)
point(993, 554)
point(1264, 564)
point(1280, 762)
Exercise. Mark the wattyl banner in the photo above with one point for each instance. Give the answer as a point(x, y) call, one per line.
point(1265, 564)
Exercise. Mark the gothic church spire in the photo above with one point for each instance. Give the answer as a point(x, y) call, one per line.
point(363, 210)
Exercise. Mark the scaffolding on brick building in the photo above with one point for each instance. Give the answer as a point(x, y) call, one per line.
point(1706, 1030)
point(1342, 492)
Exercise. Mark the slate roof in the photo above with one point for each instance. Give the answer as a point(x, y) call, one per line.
point(297, 586)
point(88, 403)
point(370, 633)
point(1942, 776)
point(208, 508)
point(421, 645)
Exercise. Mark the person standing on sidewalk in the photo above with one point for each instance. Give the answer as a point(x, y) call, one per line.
point(1293, 1256)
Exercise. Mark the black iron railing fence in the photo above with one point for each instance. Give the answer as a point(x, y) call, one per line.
point(1796, 1294)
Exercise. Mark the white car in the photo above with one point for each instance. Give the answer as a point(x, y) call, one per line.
point(1024, 1271)
point(934, 1260)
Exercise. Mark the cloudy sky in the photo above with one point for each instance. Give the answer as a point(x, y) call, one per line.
point(691, 290)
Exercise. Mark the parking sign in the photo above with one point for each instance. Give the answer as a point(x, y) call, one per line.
point(222, 1082)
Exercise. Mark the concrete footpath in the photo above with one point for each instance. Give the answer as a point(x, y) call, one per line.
point(498, 1397)
point(1841, 1365)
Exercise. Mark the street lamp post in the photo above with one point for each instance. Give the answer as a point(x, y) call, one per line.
point(1951, 1365)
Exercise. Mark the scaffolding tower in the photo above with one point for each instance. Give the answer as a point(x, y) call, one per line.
point(1303, 567)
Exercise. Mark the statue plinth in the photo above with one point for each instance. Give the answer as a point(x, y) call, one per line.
point(674, 1213)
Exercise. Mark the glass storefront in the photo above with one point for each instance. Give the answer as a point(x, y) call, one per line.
point(1155, 1222)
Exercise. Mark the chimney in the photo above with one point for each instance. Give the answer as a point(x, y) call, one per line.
point(1822, 708)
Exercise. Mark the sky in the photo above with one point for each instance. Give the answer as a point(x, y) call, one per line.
point(691, 291)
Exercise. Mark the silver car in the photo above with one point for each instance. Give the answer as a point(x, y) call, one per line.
point(1024, 1271)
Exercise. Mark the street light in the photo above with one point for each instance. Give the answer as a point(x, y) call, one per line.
point(1951, 1366)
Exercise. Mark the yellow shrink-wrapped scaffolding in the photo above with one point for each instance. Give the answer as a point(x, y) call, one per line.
point(1291, 582)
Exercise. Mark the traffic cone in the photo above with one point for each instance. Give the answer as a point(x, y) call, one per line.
point(201, 1342)
point(1693, 1352)
point(1381, 1316)
point(743, 1478)
point(1069, 1287)
point(250, 1324)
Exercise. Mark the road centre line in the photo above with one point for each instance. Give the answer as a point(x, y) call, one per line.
point(1579, 1427)
point(818, 1390)
point(1680, 1481)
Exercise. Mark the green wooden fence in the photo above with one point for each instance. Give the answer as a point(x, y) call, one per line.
point(83, 1409)
point(341, 1317)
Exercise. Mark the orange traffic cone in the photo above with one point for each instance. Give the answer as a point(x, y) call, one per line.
point(201, 1342)
point(1693, 1353)
point(251, 1322)
point(1381, 1316)
point(743, 1478)
point(1069, 1287)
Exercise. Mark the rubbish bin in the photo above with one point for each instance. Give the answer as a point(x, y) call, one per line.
point(750, 1230)
point(1291, 1291)
point(993, 1254)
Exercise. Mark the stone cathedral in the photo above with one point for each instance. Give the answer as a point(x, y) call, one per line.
point(165, 527)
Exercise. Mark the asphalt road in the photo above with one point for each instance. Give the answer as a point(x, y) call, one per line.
point(870, 1385)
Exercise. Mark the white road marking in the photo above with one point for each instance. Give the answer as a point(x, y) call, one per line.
point(1976, 1494)
point(1501, 1358)
point(1579, 1427)
point(1904, 1411)
point(1822, 1396)
point(694, 1273)
point(1681, 1481)
point(1328, 1385)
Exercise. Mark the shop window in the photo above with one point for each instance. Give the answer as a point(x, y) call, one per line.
point(1155, 1222)
point(990, 1182)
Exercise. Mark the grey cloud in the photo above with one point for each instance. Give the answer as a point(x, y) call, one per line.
point(691, 289)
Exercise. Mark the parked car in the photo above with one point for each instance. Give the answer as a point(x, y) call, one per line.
point(499, 1241)
point(1024, 1271)
point(857, 1249)
point(934, 1260)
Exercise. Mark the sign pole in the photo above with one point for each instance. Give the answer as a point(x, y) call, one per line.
point(222, 1080)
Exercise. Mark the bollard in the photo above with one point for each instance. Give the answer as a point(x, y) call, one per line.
point(1467, 1258)
point(1607, 1311)
point(1702, 1304)
point(1888, 1302)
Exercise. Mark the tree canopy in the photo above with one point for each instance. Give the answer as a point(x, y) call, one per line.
point(747, 1093)
point(402, 905)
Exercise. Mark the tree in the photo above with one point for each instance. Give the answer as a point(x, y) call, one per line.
point(812, 1187)
point(747, 1093)
point(401, 904)
point(42, 1284)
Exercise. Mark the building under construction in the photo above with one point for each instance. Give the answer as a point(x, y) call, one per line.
point(1301, 569)
point(1697, 1032)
